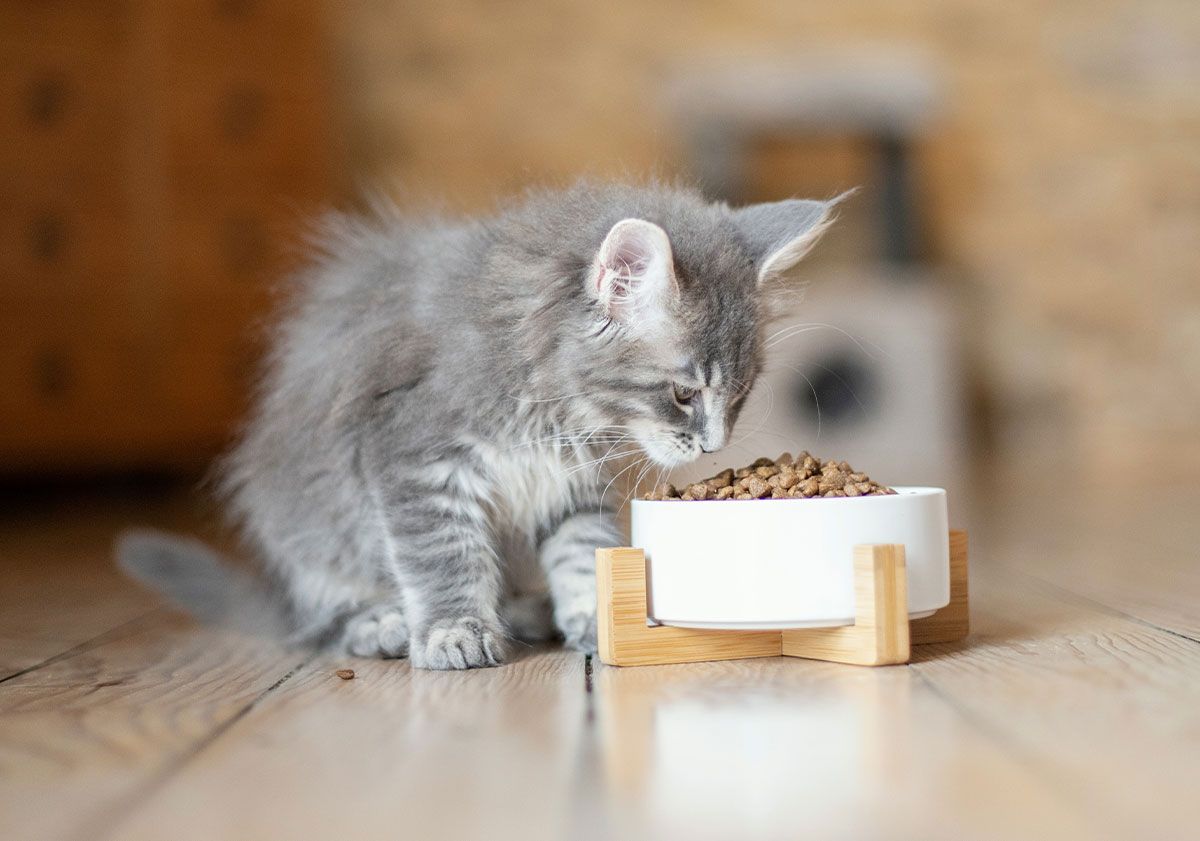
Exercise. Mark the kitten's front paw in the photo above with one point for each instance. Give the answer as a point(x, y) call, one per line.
point(462, 643)
point(377, 632)
point(578, 625)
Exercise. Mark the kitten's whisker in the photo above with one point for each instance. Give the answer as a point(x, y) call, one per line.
point(634, 487)
point(599, 461)
point(603, 459)
point(832, 372)
point(521, 399)
point(804, 327)
point(766, 414)
point(816, 401)
point(604, 493)
point(572, 435)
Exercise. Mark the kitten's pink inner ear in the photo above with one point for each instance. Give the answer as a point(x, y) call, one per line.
point(634, 264)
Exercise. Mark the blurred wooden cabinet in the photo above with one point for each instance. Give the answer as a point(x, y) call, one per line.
point(157, 164)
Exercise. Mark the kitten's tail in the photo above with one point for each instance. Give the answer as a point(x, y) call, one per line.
point(198, 580)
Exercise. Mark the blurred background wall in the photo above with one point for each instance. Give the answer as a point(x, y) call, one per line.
point(1030, 174)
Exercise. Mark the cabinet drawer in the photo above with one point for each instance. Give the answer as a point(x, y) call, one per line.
point(229, 238)
point(63, 79)
point(58, 242)
point(78, 387)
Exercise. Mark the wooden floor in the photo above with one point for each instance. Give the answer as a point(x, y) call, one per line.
point(1073, 711)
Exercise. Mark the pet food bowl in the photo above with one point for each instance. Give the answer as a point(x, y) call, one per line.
point(785, 563)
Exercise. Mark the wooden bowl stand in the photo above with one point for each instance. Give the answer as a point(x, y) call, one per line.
point(882, 633)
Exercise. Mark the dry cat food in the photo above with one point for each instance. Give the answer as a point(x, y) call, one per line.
point(345, 674)
point(802, 477)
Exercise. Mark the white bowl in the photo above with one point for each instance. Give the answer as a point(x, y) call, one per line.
point(785, 563)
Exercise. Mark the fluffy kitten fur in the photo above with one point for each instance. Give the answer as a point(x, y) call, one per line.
point(426, 440)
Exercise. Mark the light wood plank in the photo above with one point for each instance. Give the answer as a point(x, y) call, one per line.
point(61, 588)
point(1129, 548)
point(86, 736)
point(1108, 708)
point(60, 591)
point(393, 753)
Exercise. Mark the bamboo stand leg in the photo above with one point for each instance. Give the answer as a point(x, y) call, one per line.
point(952, 622)
point(879, 635)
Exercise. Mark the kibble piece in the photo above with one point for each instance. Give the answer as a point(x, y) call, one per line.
point(742, 495)
point(722, 480)
point(757, 487)
point(784, 459)
point(857, 477)
point(761, 462)
point(742, 472)
point(832, 481)
point(666, 490)
point(835, 492)
point(811, 486)
point(686, 497)
point(851, 489)
point(788, 479)
point(725, 492)
point(699, 491)
point(345, 674)
point(776, 493)
point(767, 471)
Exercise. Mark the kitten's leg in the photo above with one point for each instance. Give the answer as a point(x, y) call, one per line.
point(529, 617)
point(569, 557)
point(450, 573)
point(377, 631)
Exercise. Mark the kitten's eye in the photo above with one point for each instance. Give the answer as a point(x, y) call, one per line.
point(684, 394)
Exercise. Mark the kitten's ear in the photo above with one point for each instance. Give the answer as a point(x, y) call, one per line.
point(781, 233)
point(634, 272)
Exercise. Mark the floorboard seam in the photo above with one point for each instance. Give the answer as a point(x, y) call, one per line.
point(1096, 604)
point(108, 824)
point(588, 691)
point(103, 637)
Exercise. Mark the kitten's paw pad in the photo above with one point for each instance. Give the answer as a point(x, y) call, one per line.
point(378, 632)
point(579, 628)
point(463, 643)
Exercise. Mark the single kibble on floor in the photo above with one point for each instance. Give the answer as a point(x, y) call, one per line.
point(803, 476)
point(345, 674)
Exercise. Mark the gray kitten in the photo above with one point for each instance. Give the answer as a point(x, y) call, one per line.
point(443, 400)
